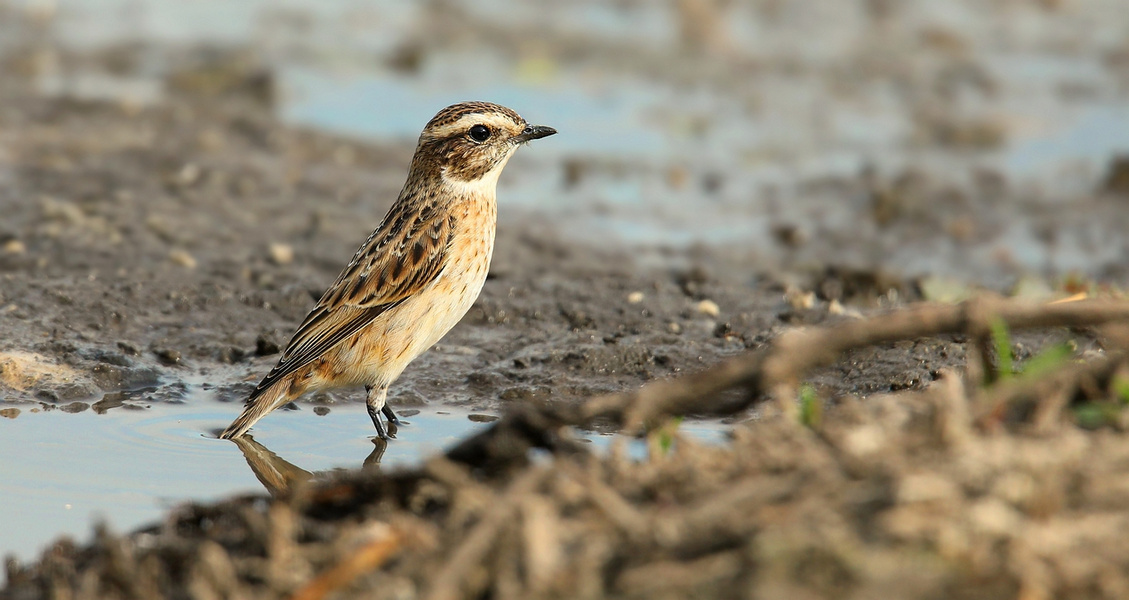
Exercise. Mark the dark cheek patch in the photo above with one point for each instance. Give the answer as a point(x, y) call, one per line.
point(467, 161)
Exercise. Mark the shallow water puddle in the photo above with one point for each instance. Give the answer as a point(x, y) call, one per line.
point(60, 471)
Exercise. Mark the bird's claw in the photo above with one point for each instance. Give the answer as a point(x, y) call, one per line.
point(382, 431)
point(392, 418)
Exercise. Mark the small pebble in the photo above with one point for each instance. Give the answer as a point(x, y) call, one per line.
point(799, 299)
point(14, 247)
point(709, 308)
point(836, 308)
point(168, 356)
point(281, 254)
point(321, 411)
point(266, 345)
point(635, 297)
point(188, 174)
point(183, 259)
point(674, 327)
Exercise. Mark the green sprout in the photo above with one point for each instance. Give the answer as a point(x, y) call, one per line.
point(1002, 340)
point(811, 407)
point(1120, 386)
point(1095, 415)
point(661, 440)
point(1047, 360)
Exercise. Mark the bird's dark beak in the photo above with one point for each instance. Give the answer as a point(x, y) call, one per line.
point(534, 132)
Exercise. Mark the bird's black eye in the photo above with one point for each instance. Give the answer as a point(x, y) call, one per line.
point(480, 133)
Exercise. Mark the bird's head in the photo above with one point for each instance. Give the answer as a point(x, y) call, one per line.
point(467, 144)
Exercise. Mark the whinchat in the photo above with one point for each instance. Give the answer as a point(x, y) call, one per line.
point(414, 277)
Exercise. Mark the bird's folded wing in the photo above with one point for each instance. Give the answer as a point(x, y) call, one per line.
point(405, 254)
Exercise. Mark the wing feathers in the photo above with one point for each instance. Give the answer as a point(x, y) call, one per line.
point(394, 264)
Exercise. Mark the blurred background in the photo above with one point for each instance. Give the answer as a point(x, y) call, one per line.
point(968, 139)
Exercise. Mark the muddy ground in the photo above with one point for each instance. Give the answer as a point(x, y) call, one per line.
point(177, 244)
point(146, 249)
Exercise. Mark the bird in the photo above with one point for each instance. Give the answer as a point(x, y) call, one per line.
point(414, 277)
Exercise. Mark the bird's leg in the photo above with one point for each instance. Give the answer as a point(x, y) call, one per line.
point(377, 396)
point(392, 418)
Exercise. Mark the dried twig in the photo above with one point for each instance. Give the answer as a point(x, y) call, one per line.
point(369, 557)
point(779, 367)
point(799, 352)
point(1052, 392)
point(448, 584)
point(776, 370)
point(617, 509)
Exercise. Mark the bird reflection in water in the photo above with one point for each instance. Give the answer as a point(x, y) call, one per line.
point(282, 478)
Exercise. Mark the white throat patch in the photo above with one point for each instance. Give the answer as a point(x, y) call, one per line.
point(487, 184)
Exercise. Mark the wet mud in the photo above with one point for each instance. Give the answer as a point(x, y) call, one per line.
point(175, 246)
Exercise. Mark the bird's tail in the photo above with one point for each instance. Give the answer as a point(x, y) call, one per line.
point(258, 405)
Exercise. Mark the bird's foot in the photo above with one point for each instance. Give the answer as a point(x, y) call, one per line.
point(381, 430)
point(392, 418)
